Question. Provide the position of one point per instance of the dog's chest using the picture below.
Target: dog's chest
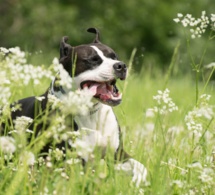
(102, 127)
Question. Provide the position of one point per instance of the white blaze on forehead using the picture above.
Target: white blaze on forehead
(102, 73)
(105, 59)
(100, 53)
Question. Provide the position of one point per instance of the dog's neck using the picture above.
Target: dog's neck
(95, 108)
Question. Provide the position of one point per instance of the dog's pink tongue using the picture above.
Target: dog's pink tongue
(93, 88)
(103, 91)
(99, 89)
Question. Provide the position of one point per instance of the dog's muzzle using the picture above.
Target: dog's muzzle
(106, 91)
(120, 70)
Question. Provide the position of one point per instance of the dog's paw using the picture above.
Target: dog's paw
(138, 170)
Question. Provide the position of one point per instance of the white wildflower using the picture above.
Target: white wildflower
(21, 123)
(15, 70)
(28, 158)
(58, 154)
(54, 101)
(203, 112)
(177, 20)
(40, 98)
(45, 191)
(164, 102)
(4, 95)
(178, 183)
(64, 175)
(81, 173)
(150, 113)
(195, 165)
(65, 80)
(180, 15)
(49, 164)
(41, 161)
(73, 161)
(213, 22)
(78, 102)
(211, 65)
(7, 144)
(57, 129)
(3, 50)
(16, 56)
(149, 127)
(213, 17)
(84, 149)
(207, 176)
(197, 25)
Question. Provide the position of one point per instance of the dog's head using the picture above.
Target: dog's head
(94, 66)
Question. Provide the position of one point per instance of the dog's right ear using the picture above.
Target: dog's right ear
(66, 54)
(95, 31)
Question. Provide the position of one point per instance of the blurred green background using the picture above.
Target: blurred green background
(37, 27)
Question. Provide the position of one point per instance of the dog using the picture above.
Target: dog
(97, 69)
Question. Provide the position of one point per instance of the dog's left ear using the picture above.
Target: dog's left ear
(66, 54)
(64, 47)
(95, 31)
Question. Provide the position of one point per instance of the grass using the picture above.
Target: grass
(178, 161)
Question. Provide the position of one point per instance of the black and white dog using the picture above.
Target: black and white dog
(97, 69)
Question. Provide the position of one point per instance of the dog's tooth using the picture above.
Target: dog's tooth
(85, 85)
(117, 97)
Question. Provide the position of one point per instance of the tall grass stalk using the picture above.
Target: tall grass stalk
(172, 63)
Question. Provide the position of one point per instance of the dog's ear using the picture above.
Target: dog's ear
(95, 31)
(64, 47)
(66, 54)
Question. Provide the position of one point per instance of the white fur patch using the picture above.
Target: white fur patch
(137, 169)
(99, 129)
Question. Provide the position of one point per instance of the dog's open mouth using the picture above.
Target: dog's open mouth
(106, 92)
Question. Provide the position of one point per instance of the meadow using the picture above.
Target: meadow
(167, 123)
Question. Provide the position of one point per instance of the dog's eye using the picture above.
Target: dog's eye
(95, 58)
(112, 56)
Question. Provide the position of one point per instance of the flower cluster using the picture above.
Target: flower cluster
(13, 55)
(213, 22)
(78, 102)
(54, 101)
(27, 157)
(164, 102)
(4, 95)
(15, 73)
(64, 79)
(197, 26)
(21, 123)
(57, 128)
(203, 112)
(56, 154)
(16, 70)
(7, 144)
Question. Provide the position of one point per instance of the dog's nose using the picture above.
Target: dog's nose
(120, 70)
